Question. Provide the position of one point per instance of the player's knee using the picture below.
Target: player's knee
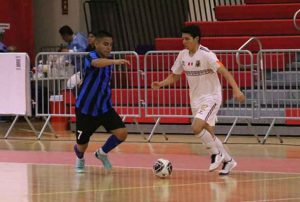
(122, 134)
(82, 137)
(197, 129)
(198, 125)
(82, 140)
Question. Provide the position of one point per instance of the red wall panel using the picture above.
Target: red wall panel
(19, 15)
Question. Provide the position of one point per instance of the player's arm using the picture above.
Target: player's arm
(237, 93)
(172, 78)
(103, 62)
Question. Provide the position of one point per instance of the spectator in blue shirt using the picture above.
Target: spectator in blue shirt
(76, 41)
(3, 47)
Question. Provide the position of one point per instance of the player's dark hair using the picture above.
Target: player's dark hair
(193, 30)
(102, 33)
(66, 30)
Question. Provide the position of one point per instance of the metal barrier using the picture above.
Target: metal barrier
(295, 20)
(173, 101)
(242, 67)
(281, 98)
(166, 102)
(273, 96)
(259, 64)
(58, 76)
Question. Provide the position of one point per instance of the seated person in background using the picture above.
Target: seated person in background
(75, 79)
(91, 42)
(76, 42)
(3, 47)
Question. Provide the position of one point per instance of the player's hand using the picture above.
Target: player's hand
(121, 62)
(155, 85)
(239, 96)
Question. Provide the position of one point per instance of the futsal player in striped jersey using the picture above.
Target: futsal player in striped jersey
(94, 104)
(201, 66)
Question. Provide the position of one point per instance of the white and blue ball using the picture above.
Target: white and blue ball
(162, 168)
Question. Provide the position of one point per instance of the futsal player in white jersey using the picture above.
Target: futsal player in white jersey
(201, 66)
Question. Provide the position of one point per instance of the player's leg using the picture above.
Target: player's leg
(203, 126)
(208, 112)
(85, 127)
(228, 163)
(208, 139)
(113, 123)
(219, 144)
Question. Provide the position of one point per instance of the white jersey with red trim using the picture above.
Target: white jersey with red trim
(201, 72)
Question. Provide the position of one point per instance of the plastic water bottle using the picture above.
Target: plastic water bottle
(40, 69)
(75, 49)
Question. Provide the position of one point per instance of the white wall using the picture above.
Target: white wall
(48, 18)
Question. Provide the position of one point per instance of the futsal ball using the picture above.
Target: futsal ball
(162, 168)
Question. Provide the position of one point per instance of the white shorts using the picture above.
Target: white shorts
(207, 111)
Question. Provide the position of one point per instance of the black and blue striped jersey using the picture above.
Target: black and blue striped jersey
(94, 96)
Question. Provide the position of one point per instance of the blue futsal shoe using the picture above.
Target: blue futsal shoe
(104, 160)
(79, 166)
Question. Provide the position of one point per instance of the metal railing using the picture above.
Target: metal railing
(254, 73)
(295, 20)
(278, 101)
(282, 97)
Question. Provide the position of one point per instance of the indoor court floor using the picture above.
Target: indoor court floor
(33, 170)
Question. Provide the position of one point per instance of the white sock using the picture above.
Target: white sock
(102, 152)
(209, 142)
(221, 147)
